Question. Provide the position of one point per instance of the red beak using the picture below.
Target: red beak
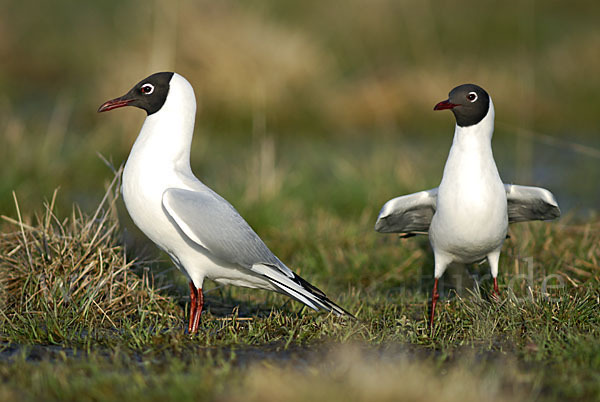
(443, 105)
(114, 104)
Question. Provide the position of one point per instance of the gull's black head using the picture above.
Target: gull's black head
(469, 103)
(149, 94)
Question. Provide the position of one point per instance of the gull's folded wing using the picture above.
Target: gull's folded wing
(214, 224)
(530, 204)
(409, 214)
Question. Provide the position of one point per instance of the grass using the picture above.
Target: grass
(311, 117)
(62, 277)
(83, 320)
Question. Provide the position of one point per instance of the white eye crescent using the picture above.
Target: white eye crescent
(472, 97)
(147, 89)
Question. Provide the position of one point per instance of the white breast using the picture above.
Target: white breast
(471, 217)
(159, 159)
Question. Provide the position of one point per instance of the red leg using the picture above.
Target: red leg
(193, 305)
(434, 298)
(198, 311)
(496, 293)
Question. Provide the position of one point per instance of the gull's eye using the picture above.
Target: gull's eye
(472, 97)
(147, 89)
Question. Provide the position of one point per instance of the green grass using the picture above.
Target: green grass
(83, 320)
(311, 116)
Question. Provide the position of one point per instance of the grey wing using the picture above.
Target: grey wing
(214, 224)
(530, 204)
(409, 214)
(211, 222)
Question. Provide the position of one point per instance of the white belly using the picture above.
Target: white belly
(143, 201)
(469, 224)
(142, 194)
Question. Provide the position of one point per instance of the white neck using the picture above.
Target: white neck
(166, 136)
(471, 159)
(478, 135)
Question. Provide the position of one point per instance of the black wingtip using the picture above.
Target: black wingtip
(322, 297)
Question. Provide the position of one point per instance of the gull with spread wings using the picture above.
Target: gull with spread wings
(467, 216)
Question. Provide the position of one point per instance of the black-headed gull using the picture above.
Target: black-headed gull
(202, 233)
(467, 216)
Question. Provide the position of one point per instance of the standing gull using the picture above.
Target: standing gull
(202, 233)
(467, 216)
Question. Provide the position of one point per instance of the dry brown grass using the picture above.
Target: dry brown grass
(73, 269)
(349, 374)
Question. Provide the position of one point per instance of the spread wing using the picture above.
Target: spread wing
(409, 214)
(214, 224)
(530, 204)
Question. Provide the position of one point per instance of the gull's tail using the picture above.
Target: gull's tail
(301, 290)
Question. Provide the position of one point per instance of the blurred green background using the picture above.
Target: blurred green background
(305, 105)
(311, 115)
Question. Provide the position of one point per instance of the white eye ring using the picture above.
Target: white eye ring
(147, 89)
(469, 97)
